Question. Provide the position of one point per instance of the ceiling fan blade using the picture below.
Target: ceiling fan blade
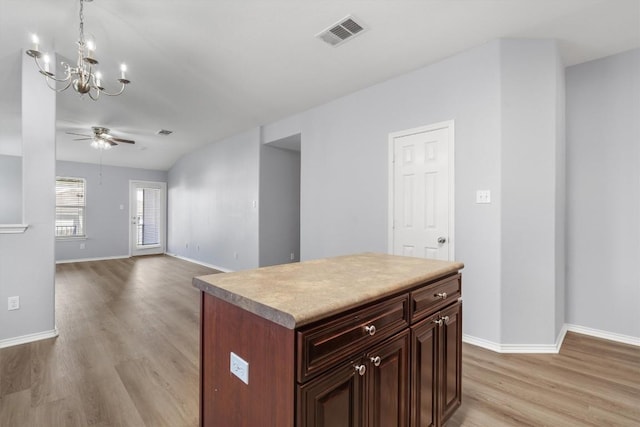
(128, 141)
(82, 139)
(111, 142)
(79, 134)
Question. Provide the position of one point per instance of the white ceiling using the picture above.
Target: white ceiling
(208, 69)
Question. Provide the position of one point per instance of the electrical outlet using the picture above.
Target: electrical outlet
(239, 367)
(13, 303)
(293, 256)
(81, 245)
(483, 196)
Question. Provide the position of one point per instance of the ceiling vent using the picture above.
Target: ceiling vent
(344, 30)
(164, 132)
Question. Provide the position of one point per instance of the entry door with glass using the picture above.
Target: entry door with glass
(148, 213)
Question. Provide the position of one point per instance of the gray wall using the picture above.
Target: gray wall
(279, 205)
(27, 266)
(530, 93)
(344, 199)
(213, 203)
(603, 232)
(107, 226)
(10, 189)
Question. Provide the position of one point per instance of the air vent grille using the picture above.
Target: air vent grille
(342, 31)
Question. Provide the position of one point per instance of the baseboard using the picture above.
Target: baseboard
(24, 339)
(67, 261)
(550, 348)
(518, 348)
(204, 264)
(612, 336)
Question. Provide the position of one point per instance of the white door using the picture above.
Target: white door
(148, 217)
(421, 192)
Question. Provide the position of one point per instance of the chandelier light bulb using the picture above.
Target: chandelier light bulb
(98, 78)
(91, 46)
(36, 41)
(123, 69)
(46, 62)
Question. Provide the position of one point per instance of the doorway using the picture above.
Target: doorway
(148, 217)
(421, 192)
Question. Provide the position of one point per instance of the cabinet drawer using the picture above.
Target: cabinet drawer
(426, 300)
(321, 346)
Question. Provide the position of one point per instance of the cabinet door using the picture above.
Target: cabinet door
(387, 383)
(332, 400)
(451, 360)
(424, 374)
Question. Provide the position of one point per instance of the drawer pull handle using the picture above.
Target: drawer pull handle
(438, 322)
(445, 319)
(376, 360)
(442, 295)
(370, 329)
(360, 369)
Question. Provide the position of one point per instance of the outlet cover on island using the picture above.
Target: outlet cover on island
(239, 367)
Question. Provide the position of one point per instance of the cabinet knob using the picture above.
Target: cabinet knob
(370, 329)
(360, 369)
(442, 240)
(438, 322)
(442, 295)
(445, 319)
(376, 360)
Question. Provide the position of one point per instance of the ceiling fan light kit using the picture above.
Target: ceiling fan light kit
(82, 77)
(101, 138)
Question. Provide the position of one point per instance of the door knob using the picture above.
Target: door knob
(442, 240)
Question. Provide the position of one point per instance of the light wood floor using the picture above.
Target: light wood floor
(127, 355)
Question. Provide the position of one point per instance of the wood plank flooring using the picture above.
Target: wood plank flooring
(127, 355)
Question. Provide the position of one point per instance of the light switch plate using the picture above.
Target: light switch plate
(13, 303)
(483, 196)
(239, 367)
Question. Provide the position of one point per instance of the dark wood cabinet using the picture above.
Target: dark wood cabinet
(394, 361)
(437, 367)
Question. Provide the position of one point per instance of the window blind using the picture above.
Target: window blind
(70, 207)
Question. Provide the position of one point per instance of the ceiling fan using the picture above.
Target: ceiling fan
(101, 138)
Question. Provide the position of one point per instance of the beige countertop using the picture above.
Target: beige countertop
(297, 294)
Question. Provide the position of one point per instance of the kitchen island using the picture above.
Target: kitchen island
(357, 340)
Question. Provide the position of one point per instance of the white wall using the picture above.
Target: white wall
(603, 194)
(279, 205)
(107, 226)
(27, 266)
(10, 189)
(213, 203)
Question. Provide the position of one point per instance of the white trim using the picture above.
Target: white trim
(518, 348)
(204, 264)
(450, 124)
(24, 339)
(13, 228)
(163, 218)
(67, 261)
(550, 348)
(612, 336)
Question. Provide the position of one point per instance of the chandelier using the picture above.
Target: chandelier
(82, 77)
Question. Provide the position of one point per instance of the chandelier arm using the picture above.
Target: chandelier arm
(114, 94)
(50, 75)
(97, 95)
(54, 88)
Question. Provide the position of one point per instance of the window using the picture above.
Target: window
(70, 207)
